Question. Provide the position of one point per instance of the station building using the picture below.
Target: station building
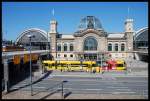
(90, 42)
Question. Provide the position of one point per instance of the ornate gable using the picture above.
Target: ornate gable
(86, 31)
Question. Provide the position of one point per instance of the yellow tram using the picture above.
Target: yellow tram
(88, 66)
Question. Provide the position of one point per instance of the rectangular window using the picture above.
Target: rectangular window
(58, 48)
(116, 47)
(109, 48)
(71, 48)
(65, 48)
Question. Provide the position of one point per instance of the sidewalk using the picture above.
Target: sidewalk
(19, 94)
(53, 95)
(106, 73)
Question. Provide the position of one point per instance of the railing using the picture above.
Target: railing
(22, 52)
(141, 50)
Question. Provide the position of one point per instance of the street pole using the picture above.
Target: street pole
(101, 62)
(30, 68)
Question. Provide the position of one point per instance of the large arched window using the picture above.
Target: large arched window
(59, 47)
(109, 47)
(116, 47)
(65, 47)
(90, 44)
(71, 47)
(122, 47)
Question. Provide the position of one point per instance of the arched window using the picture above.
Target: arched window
(71, 47)
(109, 47)
(59, 47)
(90, 44)
(116, 47)
(65, 47)
(122, 47)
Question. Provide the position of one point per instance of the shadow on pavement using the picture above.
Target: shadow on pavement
(51, 94)
(52, 88)
(67, 94)
(46, 75)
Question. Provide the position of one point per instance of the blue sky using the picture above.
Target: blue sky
(19, 16)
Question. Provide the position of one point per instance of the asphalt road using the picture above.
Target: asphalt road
(94, 85)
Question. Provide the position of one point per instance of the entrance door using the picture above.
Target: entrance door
(90, 56)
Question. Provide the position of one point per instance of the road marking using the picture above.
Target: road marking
(116, 87)
(80, 89)
(122, 92)
(39, 87)
(124, 89)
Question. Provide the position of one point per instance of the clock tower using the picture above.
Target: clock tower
(129, 35)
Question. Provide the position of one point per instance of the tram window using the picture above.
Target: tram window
(53, 64)
(94, 65)
(119, 65)
(46, 64)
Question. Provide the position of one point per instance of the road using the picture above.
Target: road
(93, 85)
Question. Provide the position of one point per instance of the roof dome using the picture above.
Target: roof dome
(90, 22)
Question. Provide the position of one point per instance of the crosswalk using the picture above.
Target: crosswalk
(132, 86)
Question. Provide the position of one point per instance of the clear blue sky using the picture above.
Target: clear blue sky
(19, 16)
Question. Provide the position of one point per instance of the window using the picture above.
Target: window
(59, 47)
(71, 55)
(65, 55)
(65, 47)
(122, 47)
(109, 47)
(116, 47)
(71, 47)
(90, 44)
(58, 55)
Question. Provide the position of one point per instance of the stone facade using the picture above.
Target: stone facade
(121, 44)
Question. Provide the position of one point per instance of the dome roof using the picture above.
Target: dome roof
(90, 22)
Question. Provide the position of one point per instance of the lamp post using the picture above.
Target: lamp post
(30, 36)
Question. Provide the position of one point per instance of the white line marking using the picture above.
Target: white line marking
(122, 92)
(80, 89)
(124, 89)
(39, 87)
(116, 87)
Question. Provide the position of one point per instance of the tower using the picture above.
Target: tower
(129, 36)
(53, 37)
(129, 25)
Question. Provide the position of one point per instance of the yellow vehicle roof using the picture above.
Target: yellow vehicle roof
(120, 61)
(48, 61)
(89, 62)
(70, 62)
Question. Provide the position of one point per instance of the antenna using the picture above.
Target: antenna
(53, 12)
(128, 12)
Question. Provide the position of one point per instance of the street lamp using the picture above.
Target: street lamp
(30, 36)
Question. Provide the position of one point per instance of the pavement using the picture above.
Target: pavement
(47, 95)
(124, 85)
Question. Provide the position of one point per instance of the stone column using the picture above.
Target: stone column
(41, 68)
